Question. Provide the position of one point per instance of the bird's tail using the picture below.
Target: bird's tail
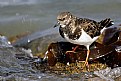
(106, 23)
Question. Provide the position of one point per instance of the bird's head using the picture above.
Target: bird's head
(63, 19)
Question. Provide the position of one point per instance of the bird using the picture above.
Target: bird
(81, 31)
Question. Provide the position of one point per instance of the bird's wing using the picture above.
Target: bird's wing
(90, 26)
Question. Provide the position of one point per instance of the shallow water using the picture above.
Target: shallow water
(18, 16)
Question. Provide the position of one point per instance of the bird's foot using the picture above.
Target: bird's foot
(67, 52)
(86, 65)
(73, 50)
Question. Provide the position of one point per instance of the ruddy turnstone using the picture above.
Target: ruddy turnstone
(81, 31)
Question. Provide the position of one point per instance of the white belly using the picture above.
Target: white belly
(84, 39)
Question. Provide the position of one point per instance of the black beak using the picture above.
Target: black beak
(57, 24)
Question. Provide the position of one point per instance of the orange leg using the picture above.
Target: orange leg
(75, 48)
(86, 61)
(72, 50)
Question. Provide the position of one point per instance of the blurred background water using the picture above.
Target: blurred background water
(18, 16)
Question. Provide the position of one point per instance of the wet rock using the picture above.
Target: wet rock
(104, 52)
(109, 36)
(4, 42)
(13, 39)
(109, 74)
(53, 60)
(40, 45)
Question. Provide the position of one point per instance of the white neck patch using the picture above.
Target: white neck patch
(63, 26)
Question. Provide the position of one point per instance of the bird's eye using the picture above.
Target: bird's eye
(61, 19)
